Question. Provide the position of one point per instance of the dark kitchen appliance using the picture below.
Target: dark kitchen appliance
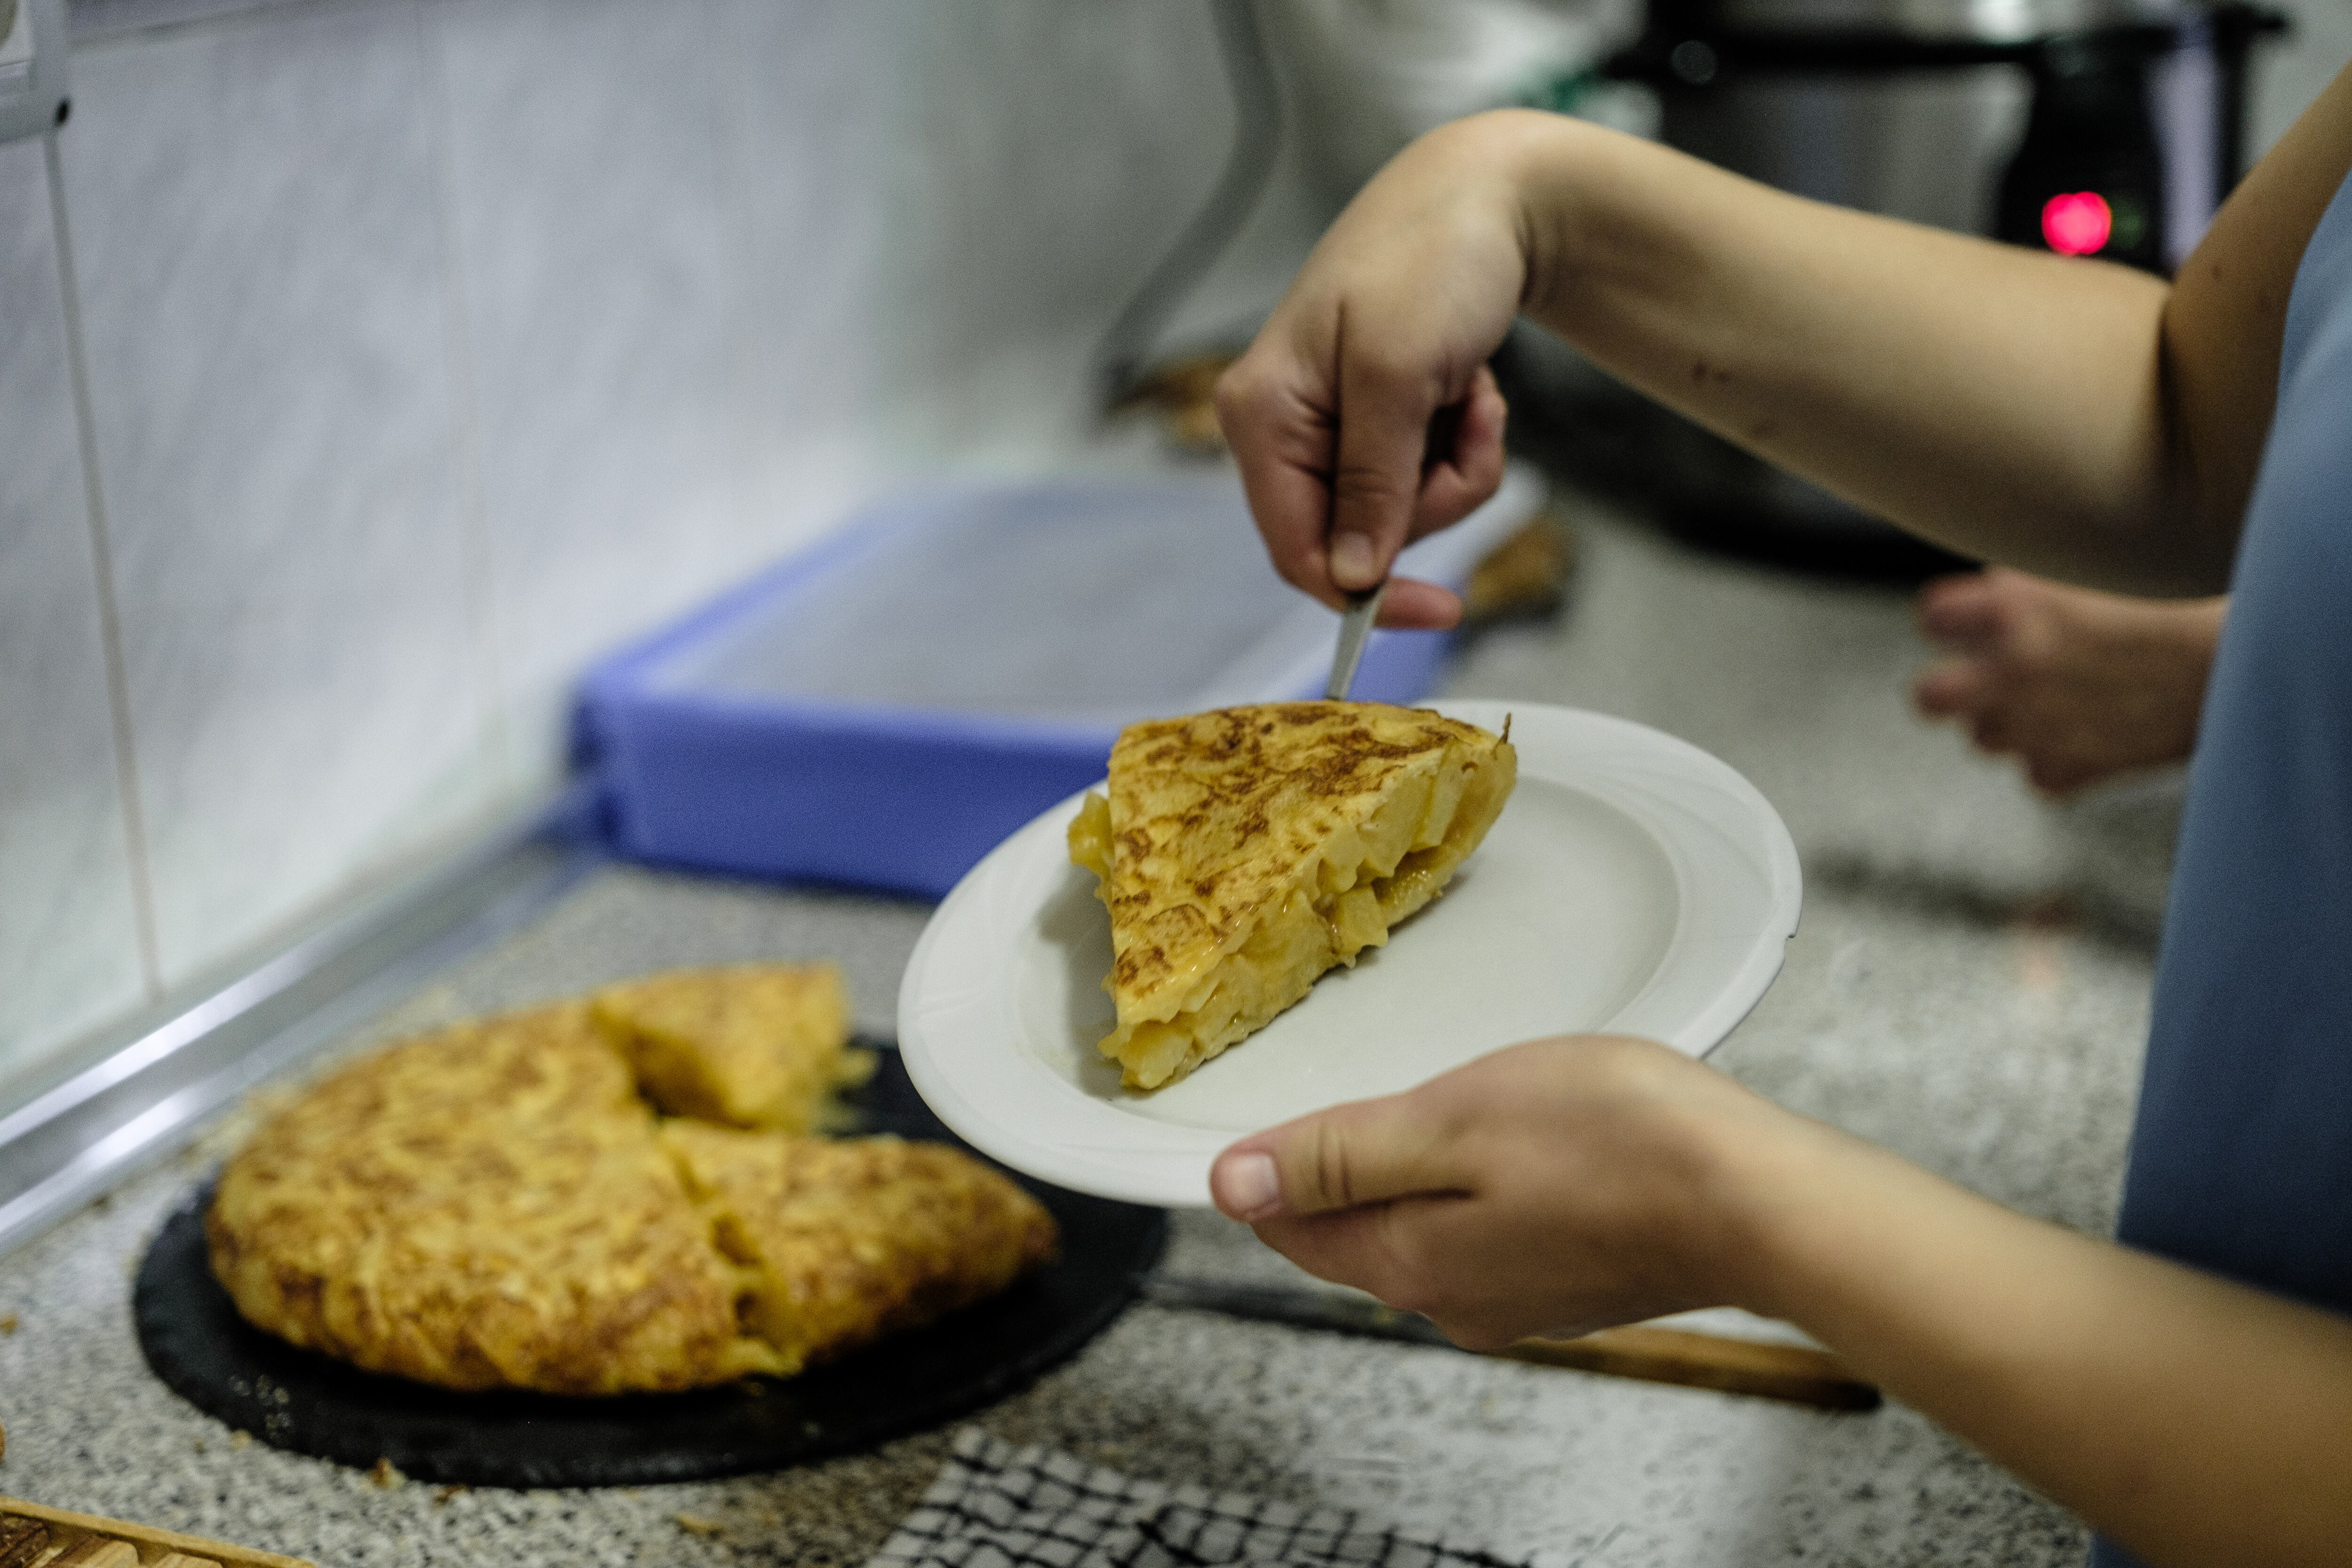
(2107, 127)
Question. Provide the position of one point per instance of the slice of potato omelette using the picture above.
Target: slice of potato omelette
(1243, 852)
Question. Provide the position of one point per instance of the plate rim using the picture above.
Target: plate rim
(1177, 1178)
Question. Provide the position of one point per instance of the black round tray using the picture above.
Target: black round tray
(307, 1402)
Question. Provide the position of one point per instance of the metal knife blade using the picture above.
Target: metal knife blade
(1355, 626)
(1643, 1352)
(1297, 1306)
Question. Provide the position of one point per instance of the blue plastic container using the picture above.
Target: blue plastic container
(882, 709)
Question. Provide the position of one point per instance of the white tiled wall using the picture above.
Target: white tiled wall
(590, 254)
(69, 941)
(434, 346)
(263, 299)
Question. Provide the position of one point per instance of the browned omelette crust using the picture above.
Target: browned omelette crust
(1228, 836)
(756, 1045)
(493, 1205)
(487, 1206)
(855, 1238)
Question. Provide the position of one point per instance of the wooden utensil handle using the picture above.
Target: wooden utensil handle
(21, 1540)
(166, 1546)
(1709, 1361)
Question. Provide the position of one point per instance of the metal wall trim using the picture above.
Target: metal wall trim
(148, 1099)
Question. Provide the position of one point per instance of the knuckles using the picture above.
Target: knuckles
(1241, 390)
(1392, 378)
(1362, 484)
(1332, 1175)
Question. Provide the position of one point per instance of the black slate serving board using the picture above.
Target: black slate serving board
(298, 1400)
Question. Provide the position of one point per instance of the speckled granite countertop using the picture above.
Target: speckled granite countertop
(1968, 987)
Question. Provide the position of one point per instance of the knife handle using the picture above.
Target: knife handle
(1792, 1373)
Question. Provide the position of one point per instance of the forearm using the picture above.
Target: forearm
(2005, 403)
(2193, 1420)
(2076, 418)
(1569, 1184)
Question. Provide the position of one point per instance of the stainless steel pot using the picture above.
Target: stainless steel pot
(1928, 146)
(1919, 108)
(1981, 21)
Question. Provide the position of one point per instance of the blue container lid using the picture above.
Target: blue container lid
(975, 650)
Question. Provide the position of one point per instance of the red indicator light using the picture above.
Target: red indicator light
(2077, 222)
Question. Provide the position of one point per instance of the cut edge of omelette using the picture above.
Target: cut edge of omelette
(1244, 852)
(753, 1044)
(846, 1241)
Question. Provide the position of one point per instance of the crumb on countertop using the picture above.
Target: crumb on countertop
(696, 1524)
(386, 1475)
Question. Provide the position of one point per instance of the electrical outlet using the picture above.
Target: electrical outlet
(32, 66)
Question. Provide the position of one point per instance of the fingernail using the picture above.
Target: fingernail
(1247, 1186)
(1351, 561)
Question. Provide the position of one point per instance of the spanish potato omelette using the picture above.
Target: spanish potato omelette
(496, 1205)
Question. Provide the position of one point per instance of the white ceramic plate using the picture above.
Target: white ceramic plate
(1633, 885)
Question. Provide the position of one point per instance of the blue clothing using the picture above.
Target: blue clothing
(2241, 1160)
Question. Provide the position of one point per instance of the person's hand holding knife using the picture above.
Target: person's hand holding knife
(1364, 416)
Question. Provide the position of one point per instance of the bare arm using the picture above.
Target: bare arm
(1565, 1185)
(2073, 417)
(2001, 401)
(2194, 1420)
